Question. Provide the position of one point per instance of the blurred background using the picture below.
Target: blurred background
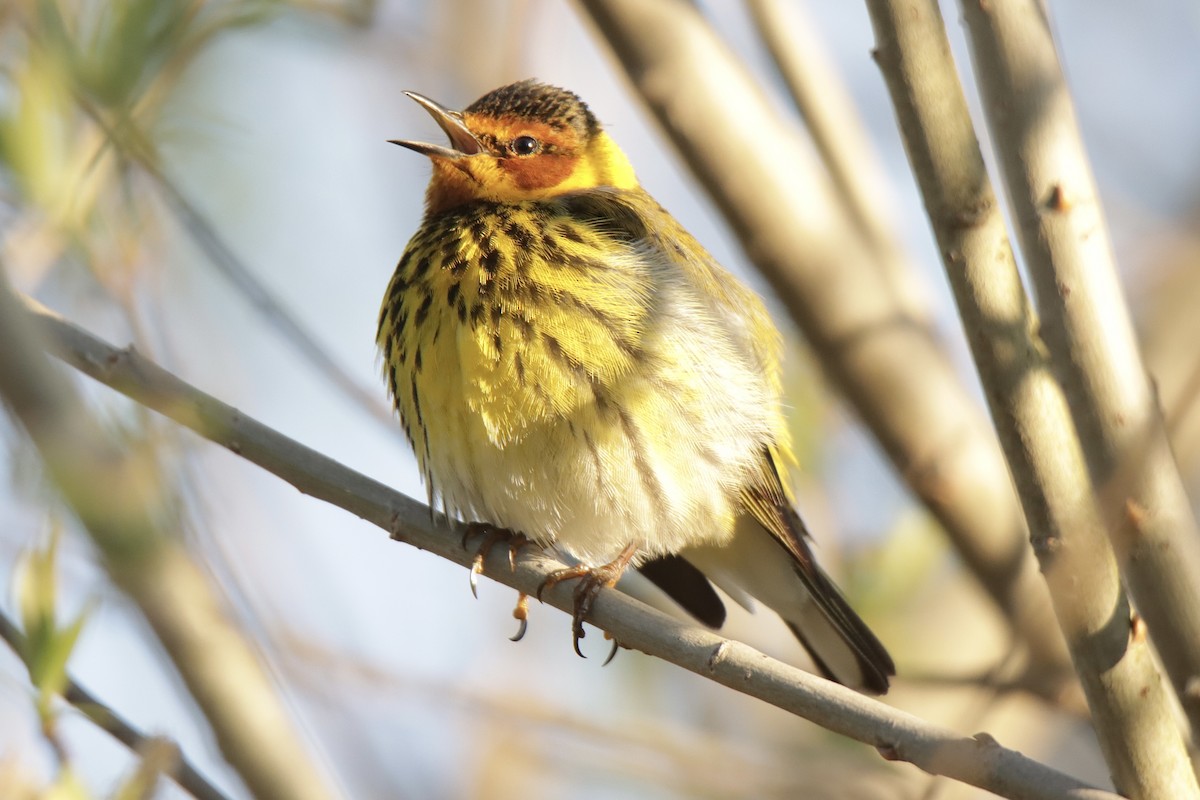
(254, 185)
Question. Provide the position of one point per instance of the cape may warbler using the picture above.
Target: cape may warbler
(570, 365)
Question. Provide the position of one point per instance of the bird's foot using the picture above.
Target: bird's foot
(591, 581)
(492, 536)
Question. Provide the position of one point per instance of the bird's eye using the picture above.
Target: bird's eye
(525, 145)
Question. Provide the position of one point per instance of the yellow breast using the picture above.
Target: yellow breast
(509, 315)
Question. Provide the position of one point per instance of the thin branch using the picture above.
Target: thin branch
(262, 299)
(128, 141)
(829, 115)
(1129, 705)
(114, 488)
(104, 717)
(1086, 326)
(979, 761)
(879, 351)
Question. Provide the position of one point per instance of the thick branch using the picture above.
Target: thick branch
(876, 347)
(1129, 706)
(979, 761)
(1086, 326)
(114, 488)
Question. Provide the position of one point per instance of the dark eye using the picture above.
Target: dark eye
(525, 145)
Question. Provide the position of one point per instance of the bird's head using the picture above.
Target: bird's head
(524, 141)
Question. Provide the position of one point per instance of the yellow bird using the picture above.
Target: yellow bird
(571, 366)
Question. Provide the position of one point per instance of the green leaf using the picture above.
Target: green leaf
(37, 590)
(50, 674)
(34, 135)
(48, 646)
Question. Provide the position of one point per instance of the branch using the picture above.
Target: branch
(979, 761)
(875, 346)
(114, 488)
(104, 717)
(828, 111)
(128, 141)
(1087, 328)
(1132, 715)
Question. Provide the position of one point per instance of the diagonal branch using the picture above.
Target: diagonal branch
(1133, 718)
(128, 141)
(1087, 329)
(113, 486)
(979, 761)
(876, 347)
(103, 716)
(837, 131)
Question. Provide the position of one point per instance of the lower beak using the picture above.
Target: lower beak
(462, 141)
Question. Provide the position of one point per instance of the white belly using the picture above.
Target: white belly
(654, 460)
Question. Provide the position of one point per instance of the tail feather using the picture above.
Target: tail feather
(688, 587)
(841, 645)
(835, 632)
(769, 558)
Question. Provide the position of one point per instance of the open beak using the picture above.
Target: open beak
(462, 141)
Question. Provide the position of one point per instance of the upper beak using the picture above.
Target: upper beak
(462, 141)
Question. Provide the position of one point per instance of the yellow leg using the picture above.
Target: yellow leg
(492, 536)
(592, 580)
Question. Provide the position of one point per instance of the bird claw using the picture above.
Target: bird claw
(585, 597)
(476, 571)
(521, 614)
(518, 541)
(613, 652)
(492, 536)
(591, 581)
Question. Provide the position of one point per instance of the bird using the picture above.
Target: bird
(573, 369)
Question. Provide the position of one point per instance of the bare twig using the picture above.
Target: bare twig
(1130, 708)
(186, 775)
(979, 761)
(1086, 326)
(127, 140)
(264, 301)
(115, 490)
(836, 129)
(884, 359)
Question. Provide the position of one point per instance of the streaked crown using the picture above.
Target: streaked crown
(529, 100)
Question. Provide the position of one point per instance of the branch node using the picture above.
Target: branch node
(1137, 629)
(395, 527)
(889, 752)
(985, 740)
(1058, 199)
(718, 655)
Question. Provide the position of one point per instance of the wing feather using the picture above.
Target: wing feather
(768, 504)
